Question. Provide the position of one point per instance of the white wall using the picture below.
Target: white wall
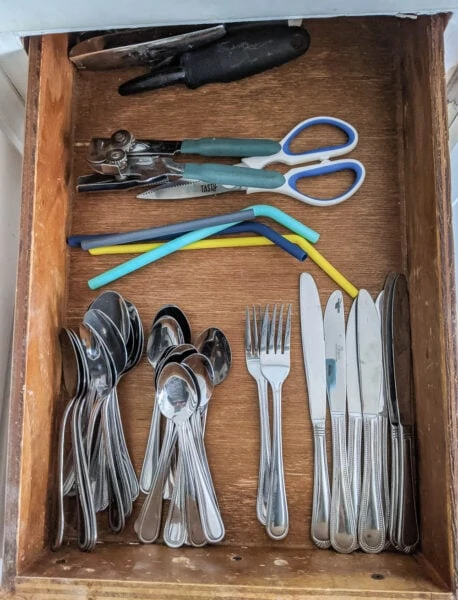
(30, 16)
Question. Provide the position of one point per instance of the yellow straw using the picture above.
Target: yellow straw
(240, 242)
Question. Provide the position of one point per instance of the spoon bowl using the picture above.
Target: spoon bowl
(176, 393)
(214, 344)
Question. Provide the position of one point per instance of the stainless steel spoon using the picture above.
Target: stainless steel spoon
(165, 332)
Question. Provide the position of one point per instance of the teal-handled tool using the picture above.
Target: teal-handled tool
(232, 147)
(122, 161)
(259, 210)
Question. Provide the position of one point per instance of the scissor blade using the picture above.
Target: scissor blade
(183, 189)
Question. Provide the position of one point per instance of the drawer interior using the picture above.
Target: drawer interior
(384, 76)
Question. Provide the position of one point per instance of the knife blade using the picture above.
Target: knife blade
(343, 521)
(383, 424)
(313, 348)
(407, 518)
(138, 47)
(183, 189)
(355, 419)
(371, 524)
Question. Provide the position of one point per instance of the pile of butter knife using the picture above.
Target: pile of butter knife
(364, 369)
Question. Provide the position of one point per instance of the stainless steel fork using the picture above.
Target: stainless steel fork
(253, 363)
(275, 363)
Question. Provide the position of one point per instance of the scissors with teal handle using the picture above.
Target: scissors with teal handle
(208, 179)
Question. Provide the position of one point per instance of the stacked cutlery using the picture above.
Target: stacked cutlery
(365, 370)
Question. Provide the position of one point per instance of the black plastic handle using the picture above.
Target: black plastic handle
(243, 53)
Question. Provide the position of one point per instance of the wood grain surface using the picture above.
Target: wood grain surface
(431, 282)
(360, 70)
(361, 237)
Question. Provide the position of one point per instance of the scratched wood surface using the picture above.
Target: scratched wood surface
(359, 70)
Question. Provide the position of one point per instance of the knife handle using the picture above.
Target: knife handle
(321, 489)
(355, 435)
(371, 525)
(408, 531)
(343, 522)
(385, 477)
(394, 508)
(242, 54)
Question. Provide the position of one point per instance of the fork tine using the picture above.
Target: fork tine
(278, 345)
(248, 347)
(272, 330)
(265, 330)
(256, 341)
(287, 343)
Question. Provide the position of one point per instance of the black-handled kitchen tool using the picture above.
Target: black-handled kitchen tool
(237, 55)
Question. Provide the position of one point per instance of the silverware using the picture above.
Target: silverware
(383, 418)
(371, 525)
(194, 513)
(407, 531)
(355, 419)
(165, 332)
(275, 365)
(343, 521)
(392, 404)
(253, 363)
(315, 370)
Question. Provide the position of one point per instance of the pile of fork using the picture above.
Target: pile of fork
(267, 352)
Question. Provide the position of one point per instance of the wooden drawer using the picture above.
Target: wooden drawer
(385, 76)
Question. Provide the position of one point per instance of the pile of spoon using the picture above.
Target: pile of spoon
(98, 469)
(176, 468)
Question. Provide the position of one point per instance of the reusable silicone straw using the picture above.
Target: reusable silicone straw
(258, 210)
(207, 244)
(172, 229)
(244, 227)
(194, 236)
(244, 242)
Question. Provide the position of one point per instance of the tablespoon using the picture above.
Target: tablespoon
(114, 345)
(103, 375)
(75, 377)
(213, 344)
(202, 370)
(171, 310)
(114, 306)
(135, 346)
(165, 332)
(175, 354)
(178, 399)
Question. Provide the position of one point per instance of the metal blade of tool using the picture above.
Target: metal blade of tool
(182, 189)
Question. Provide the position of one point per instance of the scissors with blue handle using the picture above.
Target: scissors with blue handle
(249, 175)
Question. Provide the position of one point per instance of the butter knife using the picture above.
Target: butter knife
(407, 518)
(371, 524)
(392, 404)
(315, 372)
(343, 522)
(355, 419)
(383, 418)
